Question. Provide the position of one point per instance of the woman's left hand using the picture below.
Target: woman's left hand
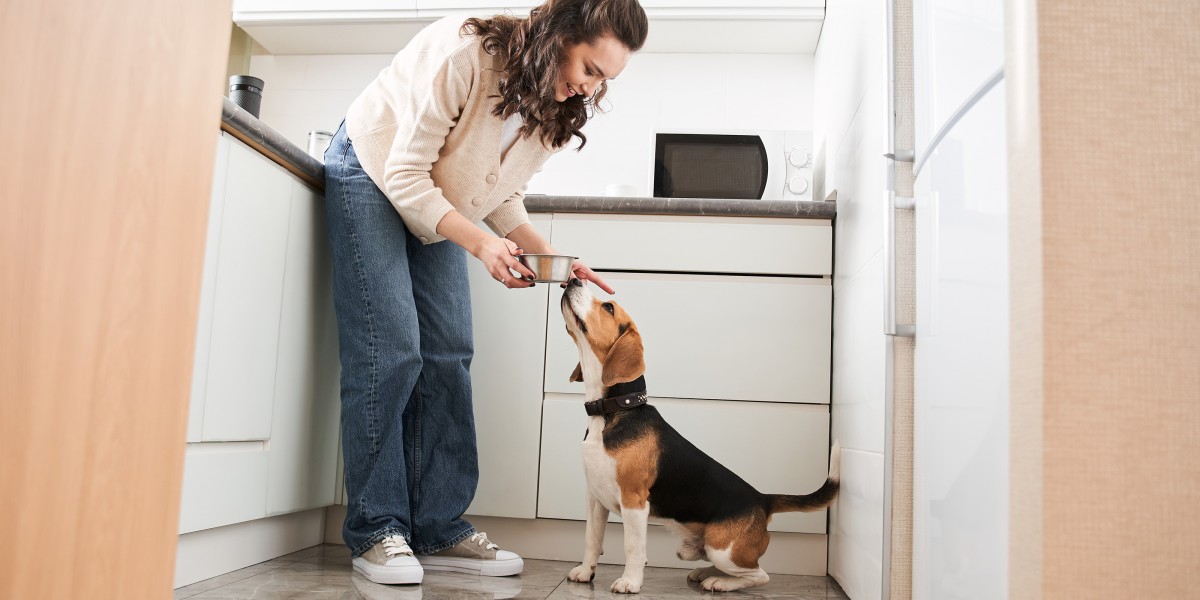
(585, 273)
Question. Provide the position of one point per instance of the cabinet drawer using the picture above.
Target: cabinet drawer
(790, 442)
(223, 484)
(725, 338)
(698, 244)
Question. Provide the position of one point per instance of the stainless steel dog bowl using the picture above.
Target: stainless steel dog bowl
(548, 268)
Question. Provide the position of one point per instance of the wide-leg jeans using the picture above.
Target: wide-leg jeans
(404, 329)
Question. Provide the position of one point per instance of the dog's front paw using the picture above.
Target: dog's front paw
(582, 574)
(625, 586)
(724, 583)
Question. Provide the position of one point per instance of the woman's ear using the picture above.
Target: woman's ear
(624, 361)
(577, 374)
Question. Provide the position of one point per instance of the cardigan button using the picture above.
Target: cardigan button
(492, 179)
(477, 201)
(424, 239)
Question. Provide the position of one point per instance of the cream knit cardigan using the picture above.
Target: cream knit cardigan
(424, 132)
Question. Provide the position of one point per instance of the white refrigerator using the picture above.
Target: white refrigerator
(960, 428)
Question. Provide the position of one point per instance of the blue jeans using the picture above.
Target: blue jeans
(404, 326)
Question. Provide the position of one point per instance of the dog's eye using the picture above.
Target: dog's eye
(607, 306)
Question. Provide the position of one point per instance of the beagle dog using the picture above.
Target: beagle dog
(641, 468)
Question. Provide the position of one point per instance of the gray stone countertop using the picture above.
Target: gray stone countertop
(249, 129)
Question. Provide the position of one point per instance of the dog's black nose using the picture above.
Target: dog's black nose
(575, 281)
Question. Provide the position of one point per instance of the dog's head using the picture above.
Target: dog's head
(610, 347)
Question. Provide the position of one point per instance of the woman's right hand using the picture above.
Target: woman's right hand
(498, 255)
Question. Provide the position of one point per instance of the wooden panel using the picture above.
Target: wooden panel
(305, 421)
(790, 450)
(506, 380)
(223, 484)
(728, 338)
(110, 115)
(698, 244)
(248, 295)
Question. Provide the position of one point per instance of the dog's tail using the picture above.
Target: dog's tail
(818, 499)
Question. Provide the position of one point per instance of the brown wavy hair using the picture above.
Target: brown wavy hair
(533, 50)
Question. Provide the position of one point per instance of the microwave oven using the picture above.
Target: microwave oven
(732, 164)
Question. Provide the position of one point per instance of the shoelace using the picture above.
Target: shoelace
(481, 539)
(395, 544)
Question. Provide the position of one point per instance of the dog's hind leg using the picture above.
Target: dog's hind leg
(636, 520)
(703, 573)
(734, 548)
(594, 542)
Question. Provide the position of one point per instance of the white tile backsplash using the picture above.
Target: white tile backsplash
(860, 360)
(850, 133)
(656, 91)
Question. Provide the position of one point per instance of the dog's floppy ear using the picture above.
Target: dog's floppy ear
(577, 374)
(624, 361)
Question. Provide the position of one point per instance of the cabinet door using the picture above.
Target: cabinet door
(478, 6)
(725, 338)
(777, 448)
(304, 428)
(240, 381)
(698, 244)
(506, 381)
(320, 5)
(223, 484)
(207, 291)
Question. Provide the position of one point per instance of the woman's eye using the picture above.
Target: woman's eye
(588, 72)
(607, 306)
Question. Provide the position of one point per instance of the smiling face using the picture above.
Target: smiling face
(610, 346)
(588, 66)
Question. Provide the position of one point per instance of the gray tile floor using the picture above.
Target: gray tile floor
(323, 572)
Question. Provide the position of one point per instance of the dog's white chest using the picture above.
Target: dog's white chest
(600, 468)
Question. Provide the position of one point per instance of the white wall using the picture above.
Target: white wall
(851, 136)
(723, 91)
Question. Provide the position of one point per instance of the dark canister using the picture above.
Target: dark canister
(246, 92)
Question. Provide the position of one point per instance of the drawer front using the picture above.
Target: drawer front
(698, 244)
(223, 484)
(725, 338)
(790, 450)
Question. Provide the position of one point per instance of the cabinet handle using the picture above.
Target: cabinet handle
(892, 203)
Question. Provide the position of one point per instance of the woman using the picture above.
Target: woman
(448, 134)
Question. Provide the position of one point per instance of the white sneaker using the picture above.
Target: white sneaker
(389, 561)
(475, 555)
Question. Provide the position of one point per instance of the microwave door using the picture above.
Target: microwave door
(710, 166)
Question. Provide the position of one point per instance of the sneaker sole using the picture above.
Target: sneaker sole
(388, 575)
(473, 566)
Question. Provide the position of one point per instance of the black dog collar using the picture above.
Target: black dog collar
(622, 396)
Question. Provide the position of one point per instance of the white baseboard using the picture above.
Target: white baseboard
(211, 552)
(556, 539)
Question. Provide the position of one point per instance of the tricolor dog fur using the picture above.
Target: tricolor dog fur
(641, 468)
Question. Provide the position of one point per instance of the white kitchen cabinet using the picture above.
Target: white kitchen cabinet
(777, 448)
(376, 27)
(742, 245)
(223, 484)
(304, 432)
(506, 381)
(482, 6)
(264, 409)
(247, 298)
(317, 6)
(718, 337)
(208, 287)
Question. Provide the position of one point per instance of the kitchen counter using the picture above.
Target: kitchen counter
(256, 134)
